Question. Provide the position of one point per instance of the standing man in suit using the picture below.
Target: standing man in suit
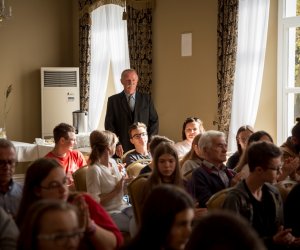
(127, 107)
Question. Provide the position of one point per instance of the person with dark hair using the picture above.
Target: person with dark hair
(190, 128)
(166, 221)
(256, 199)
(45, 179)
(291, 150)
(139, 138)
(193, 158)
(166, 169)
(105, 182)
(242, 168)
(242, 137)
(128, 107)
(51, 224)
(153, 144)
(10, 191)
(65, 139)
(223, 230)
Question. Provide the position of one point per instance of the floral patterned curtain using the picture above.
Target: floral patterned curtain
(227, 45)
(85, 9)
(139, 23)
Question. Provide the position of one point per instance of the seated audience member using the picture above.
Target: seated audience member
(10, 191)
(166, 221)
(224, 230)
(191, 127)
(256, 199)
(291, 150)
(9, 232)
(291, 212)
(105, 182)
(242, 137)
(242, 168)
(139, 138)
(166, 169)
(212, 175)
(49, 225)
(193, 158)
(154, 142)
(65, 139)
(45, 179)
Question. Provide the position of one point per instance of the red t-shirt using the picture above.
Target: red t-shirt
(70, 162)
(102, 218)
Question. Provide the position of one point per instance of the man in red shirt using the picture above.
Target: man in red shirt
(65, 139)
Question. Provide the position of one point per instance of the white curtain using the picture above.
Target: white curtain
(109, 44)
(252, 38)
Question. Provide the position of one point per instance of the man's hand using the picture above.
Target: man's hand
(119, 151)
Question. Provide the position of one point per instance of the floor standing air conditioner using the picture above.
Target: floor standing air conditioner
(59, 97)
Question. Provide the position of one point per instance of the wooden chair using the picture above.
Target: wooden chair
(133, 169)
(216, 201)
(188, 175)
(125, 154)
(285, 187)
(79, 177)
(136, 193)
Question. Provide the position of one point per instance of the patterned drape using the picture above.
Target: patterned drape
(227, 45)
(139, 23)
(85, 9)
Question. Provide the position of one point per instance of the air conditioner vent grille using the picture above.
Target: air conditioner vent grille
(60, 79)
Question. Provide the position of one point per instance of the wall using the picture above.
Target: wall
(184, 86)
(45, 33)
(39, 34)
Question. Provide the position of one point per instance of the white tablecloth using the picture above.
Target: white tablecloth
(27, 152)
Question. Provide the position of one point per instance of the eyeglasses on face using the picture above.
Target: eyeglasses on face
(4, 163)
(62, 239)
(278, 169)
(138, 136)
(56, 185)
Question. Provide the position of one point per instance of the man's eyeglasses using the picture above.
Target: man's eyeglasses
(56, 185)
(138, 136)
(278, 169)
(62, 239)
(4, 163)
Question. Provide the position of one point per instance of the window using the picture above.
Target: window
(288, 90)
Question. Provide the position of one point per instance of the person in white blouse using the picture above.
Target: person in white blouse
(192, 126)
(105, 181)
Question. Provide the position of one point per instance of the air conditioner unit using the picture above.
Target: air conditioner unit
(59, 97)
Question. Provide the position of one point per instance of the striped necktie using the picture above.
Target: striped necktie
(131, 102)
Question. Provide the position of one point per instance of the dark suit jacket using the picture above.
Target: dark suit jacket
(119, 116)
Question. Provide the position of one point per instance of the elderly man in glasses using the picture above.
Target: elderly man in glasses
(10, 191)
(256, 199)
(139, 138)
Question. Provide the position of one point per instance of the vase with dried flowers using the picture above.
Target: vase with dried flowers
(5, 111)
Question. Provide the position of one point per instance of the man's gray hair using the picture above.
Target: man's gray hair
(207, 137)
(4, 143)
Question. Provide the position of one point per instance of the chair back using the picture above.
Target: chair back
(188, 175)
(216, 201)
(79, 177)
(125, 154)
(285, 187)
(136, 191)
(134, 168)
